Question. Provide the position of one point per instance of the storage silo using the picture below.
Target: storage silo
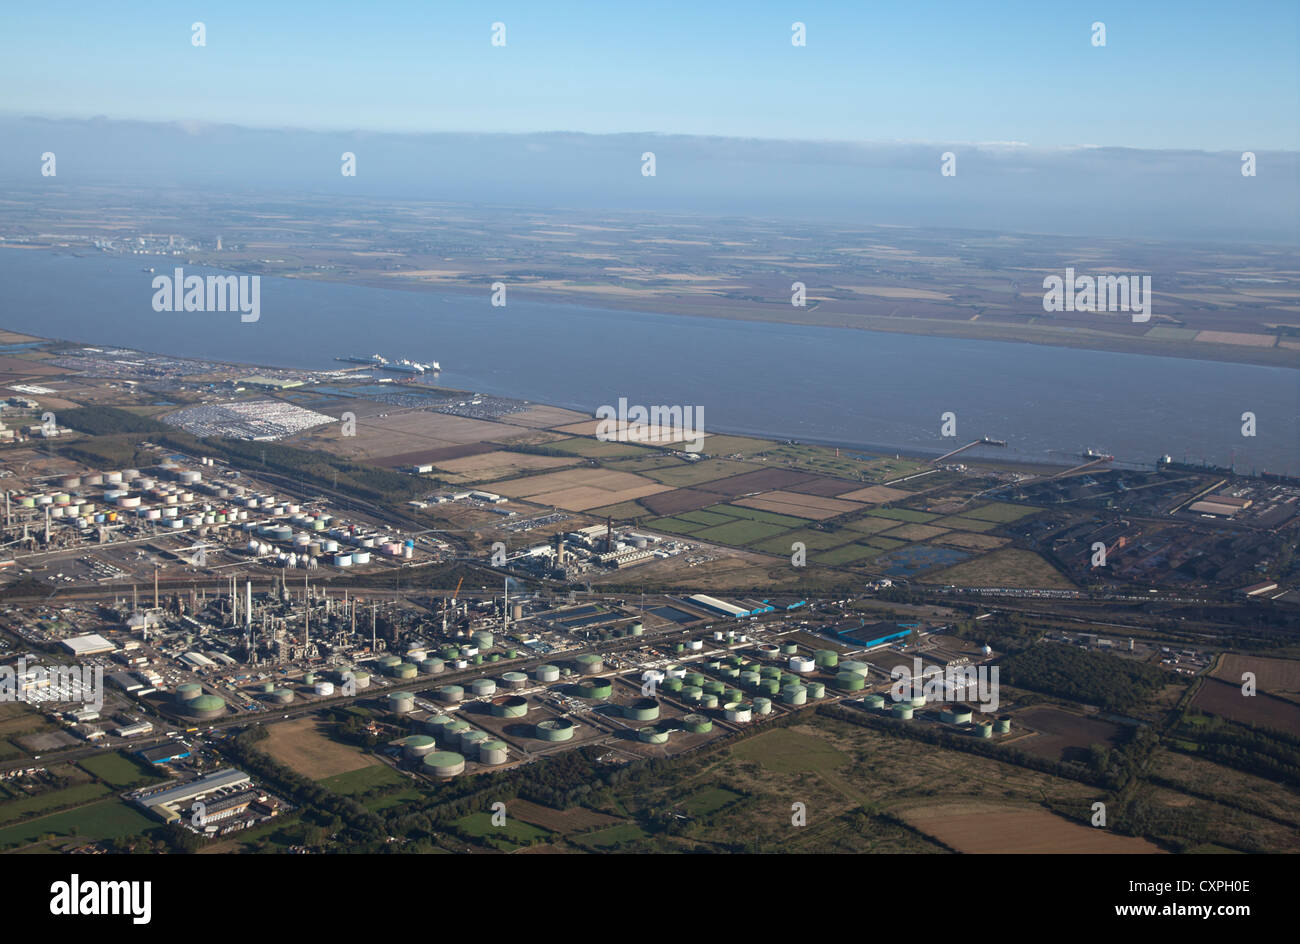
(762, 706)
(404, 670)
(324, 689)
(708, 700)
(1002, 725)
(361, 677)
(984, 729)
(401, 702)
(444, 764)
(451, 693)
(483, 639)
(875, 701)
(514, 680)
(432, 665)
(816, 690)
(955, 714)
(789, 648)
(902, 710)
(483, 687)
(547, 673)
(589, 663)
(282, 696)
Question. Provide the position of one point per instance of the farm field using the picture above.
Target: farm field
(875, 494)
(119, 771)
(566, 822)
(490, 466)
(16, 809)
(1000, 512)
(107, 819)
(378, 437)
(993, 828)
(1063, 735)
(302, 745)
(364, 780)
(589, 448)
(580, 489)
(1277, 677)
(688, 474)
(798, 505)
(1008, 567)
(1225, 699)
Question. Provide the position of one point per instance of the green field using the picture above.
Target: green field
(791, 752)
(107, 819)
(595, 449)
(871, 525)
(754, 514)
(673, 525)
(813, 540)
(1009, 567)
(884, 544)
(999, 512)
(686, 474)
(738, 533)
(119, 771)
(902, 514)
(958, 523)
(706, 518)
(14, 810)
(620, 512)
(364, 780)
(849, 554)
(709, 800)
(611, 837)
(513, 832)
(730, 445)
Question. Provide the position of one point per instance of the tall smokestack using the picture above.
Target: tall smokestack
(248, 603)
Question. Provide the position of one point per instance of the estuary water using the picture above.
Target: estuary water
(854, 388)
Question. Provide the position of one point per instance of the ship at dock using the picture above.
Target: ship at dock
(372, 360)
(414, 367)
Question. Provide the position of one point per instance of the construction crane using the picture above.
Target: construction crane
(455, 595)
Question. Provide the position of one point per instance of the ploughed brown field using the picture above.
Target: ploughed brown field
(1227, 701)
(1278, 677)
(1063, 735)
(976, 827)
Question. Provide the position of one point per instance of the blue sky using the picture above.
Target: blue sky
(1215, 76)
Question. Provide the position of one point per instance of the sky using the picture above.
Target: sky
(1181, 75)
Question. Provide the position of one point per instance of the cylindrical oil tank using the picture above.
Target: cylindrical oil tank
(768, 686)
(282, 696)
(451, 693)
(816, 690)
(875, 701)
(554, 729)
(849, 681)
(852, 665)
(309, 678)
(547, 673)
(738, 711)
(770, 671)
(769, 651)
(589, 663)
(483, 687)
(514, 680)
(984, 729)
(404, 670)
(762, 706)
(750, 678)
(387, 662)
(437, 726)
(652, 735)
(697, 724)
(188, 691)
(453, 732)
(483, 639)
(401, 702)
(595, 688)
(361, 677)
(433, 666)
(955, 714)
(708, 700)
(1002, 725)
(492, 752)
(802, 664)
(418, 745)
(643, 709)
(205, 707)
(826, 658)
(673, 685)
(444, 764)
(510, 706)
(902, 710)
(266, 687)
(794, 695)
(789, 648)
(324, 689)
(470, 740)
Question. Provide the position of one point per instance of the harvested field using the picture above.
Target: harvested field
(799, 505)
(739, 533)
(545, 417)
(978, 827)
(1009, 567)
(1062, 735)
(1001, 512)
(678, 500)
(826, 487)
(1277, 677)
(973, 542)
(870, 525)
(876, 494)
(958, 523)
(488, 466)
(566, 822)
(398, 433)
(764, 480)
(915, 532)
(687, 474)
(434, 456)
(302, 745)
(580, 489)
(1226, 700)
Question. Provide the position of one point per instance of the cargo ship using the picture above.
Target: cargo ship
(374, 360)
(414, 367)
